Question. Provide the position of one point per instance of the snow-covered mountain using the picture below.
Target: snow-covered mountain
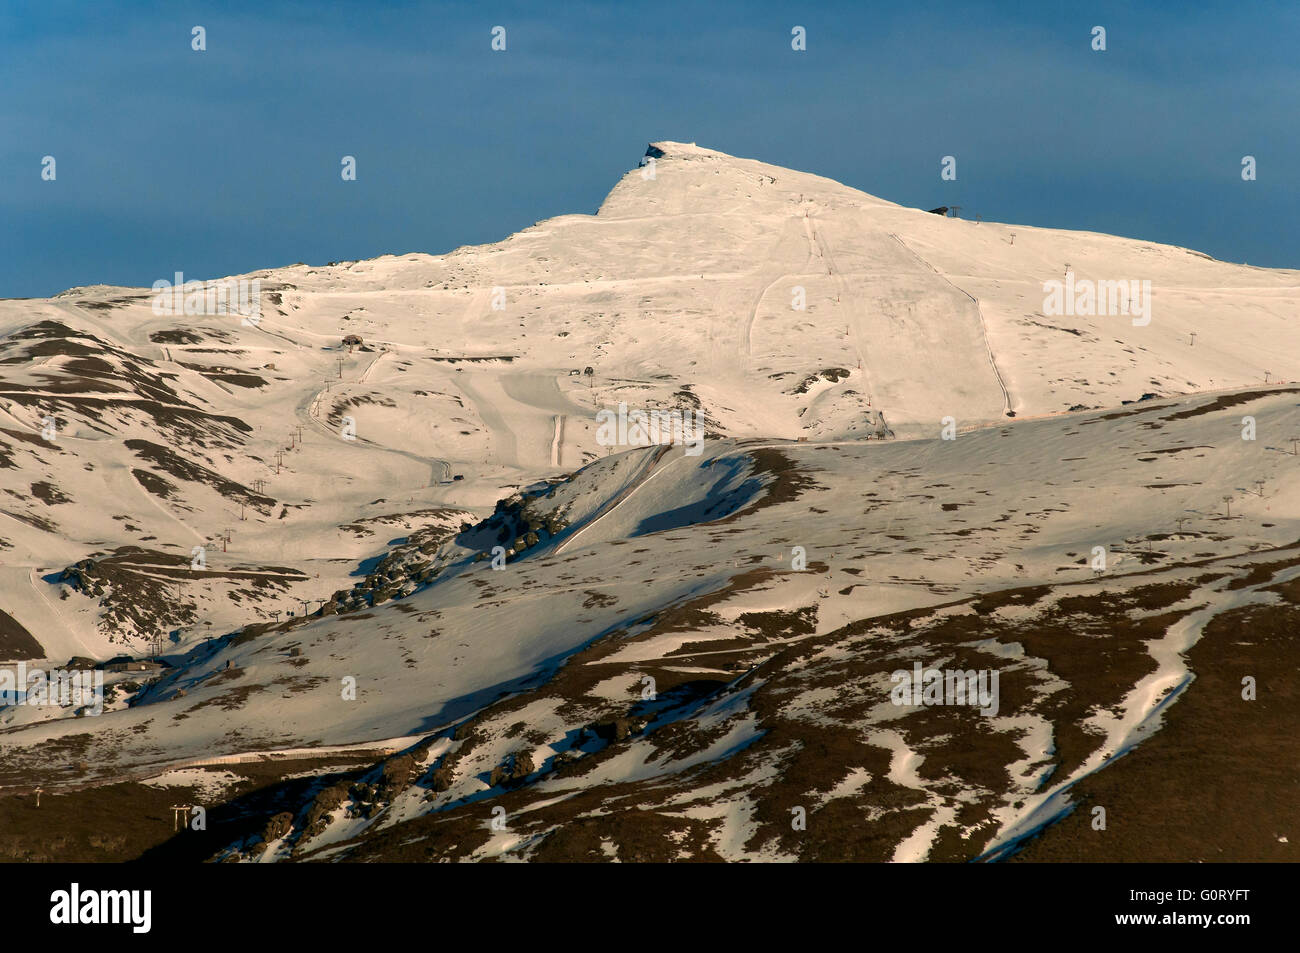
(643, 652)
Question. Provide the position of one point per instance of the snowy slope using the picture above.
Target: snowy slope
(619, 563)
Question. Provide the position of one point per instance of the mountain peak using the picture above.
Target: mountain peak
(665, 147)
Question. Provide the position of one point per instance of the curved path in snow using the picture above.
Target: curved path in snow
(1006, 396)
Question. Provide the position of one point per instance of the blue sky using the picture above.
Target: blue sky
(227, 160)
